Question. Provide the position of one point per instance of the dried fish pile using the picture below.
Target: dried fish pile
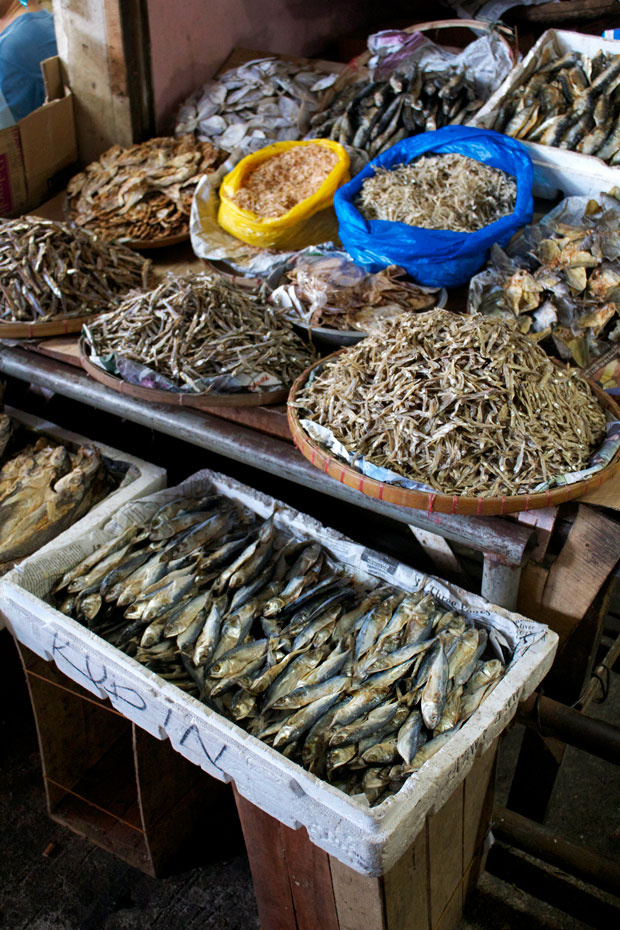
(262, 101)
(359, 686)
(142, 192)
(328, 289)
(373, 115)
(565, 289)
(572, 102)
(463, 404)
(279, 183)
(44, 488)
(201, 332)
(439, 192)
(52, 271)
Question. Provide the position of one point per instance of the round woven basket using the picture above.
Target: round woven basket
(46, 328)
(171, 398)
(435, 501)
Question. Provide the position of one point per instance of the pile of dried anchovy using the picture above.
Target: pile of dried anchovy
(464, 404)
(571, 101)
(262, 101)
(359, 686)
(439, 192)
(375, 114)
(278, 184)
(142, 192)
(53, 270)
(197, 327)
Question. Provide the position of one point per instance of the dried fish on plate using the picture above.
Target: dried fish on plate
(359, 685)
(199, 333)
(439, 192)
(262, 101)
(45, 488)
(570, 101)
(461, 404)
(142, 192)
(51, 271)
(325, 288)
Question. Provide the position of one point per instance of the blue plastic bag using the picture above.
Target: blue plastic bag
(435, 257)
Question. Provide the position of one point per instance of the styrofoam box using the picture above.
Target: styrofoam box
(556, 171)
(368, 840)
(140, 478)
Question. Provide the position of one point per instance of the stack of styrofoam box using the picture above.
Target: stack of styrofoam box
(369, 840)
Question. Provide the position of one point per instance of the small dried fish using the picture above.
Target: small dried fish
(201, 332)
(52, 271)
(439, 192)
(279, 183)
(142, 192)
(463, 404)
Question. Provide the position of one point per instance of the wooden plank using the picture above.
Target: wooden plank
(445, 855)
(588, 556)
(406, 888)
(531, 587)
(608, 495)
(478, 803)
(543, 521)
(440, 553)
(359, 898)
(265, 849)
(310, 880)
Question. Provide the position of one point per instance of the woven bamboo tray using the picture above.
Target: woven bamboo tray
(435, 501)
(162, 243)
(170, 398)
(358, 66)
(47, 328)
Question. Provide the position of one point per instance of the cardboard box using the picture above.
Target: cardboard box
(35, 151)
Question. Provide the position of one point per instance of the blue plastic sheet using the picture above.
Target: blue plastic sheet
(435, 257)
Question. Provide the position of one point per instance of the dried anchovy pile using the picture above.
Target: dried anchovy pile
(199, 326)
(278, 184)
(439, 192)
(142, 192)
(464, 404)
(572, 101)
(53, 270)
(359, 686)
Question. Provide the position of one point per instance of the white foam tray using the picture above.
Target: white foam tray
(556, 171)
(141, 478)
(368, 840)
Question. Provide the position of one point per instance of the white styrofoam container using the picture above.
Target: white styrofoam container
(141, 478)
(556, 171)
(368, 840)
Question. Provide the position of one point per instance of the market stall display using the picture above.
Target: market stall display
(264, 100)
(368, 839)
(199, 340)
(141, 195)
(53, 276)
(560, 279)
(465, 410)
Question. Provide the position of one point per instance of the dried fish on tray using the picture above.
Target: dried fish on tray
(45, 487)
(412, 86)
(571, 101)
(141, 193)
(448, 191)
(456, 405)
(326, 290)
(360, 683)
(262, 101)
(54, 272)
(560, 279)
(198, 334)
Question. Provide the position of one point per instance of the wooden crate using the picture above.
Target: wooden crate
(117, 785)
(300, 887)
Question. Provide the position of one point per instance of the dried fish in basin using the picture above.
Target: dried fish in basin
(199, 332)
(262, 101)
(461, 404)
(439, 192)
(52, 271)
(278, 184)
(326, 288)
(360, 685)
(142, 192)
